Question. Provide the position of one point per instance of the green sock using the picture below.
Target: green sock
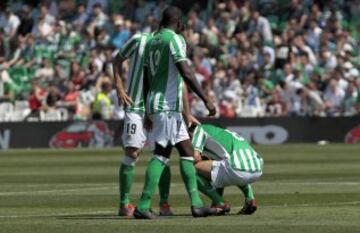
(152, 178)
(126, 176)
(248, 192)
(188, 175)
(206, 188)
(164, 185)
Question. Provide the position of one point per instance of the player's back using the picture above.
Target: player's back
(134, 50)
(241, 154)
(163, 51)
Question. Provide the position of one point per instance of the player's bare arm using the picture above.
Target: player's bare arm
(189, 78)
(189, 118)
(119, 84)
(146, 85)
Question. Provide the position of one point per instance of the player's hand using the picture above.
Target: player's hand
(148, 125)
(197, 156)
(124, 99)
(191, 120)
(211, 107)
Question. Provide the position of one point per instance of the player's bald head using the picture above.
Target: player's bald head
(171, 17)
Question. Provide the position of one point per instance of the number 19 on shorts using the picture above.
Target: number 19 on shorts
(130, 128)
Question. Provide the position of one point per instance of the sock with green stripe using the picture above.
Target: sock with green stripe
(206, 188)
(152, 178)
(164, 185)
(248, 192)
(126, 177)
(188, 174)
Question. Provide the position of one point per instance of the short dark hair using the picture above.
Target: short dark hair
(170, 15)
(97, 5)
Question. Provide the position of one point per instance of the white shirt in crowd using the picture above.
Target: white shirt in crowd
(9, 24)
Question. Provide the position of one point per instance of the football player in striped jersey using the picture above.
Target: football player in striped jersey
(223, 158)
(134, 134)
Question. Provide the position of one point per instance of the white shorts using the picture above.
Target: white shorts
(134, 134)
(168, 128)
(222, 175)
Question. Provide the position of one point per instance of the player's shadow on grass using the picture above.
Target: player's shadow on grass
(113, 217)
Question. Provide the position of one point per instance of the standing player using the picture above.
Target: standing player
(231, 161)
(165, 69)
(134, 135)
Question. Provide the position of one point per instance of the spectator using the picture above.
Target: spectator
(9, 22)
(26, 21)
(260, 24)
(102, 104)
(77, 75)
(276, 106)
(122, 33)
(81, 17)
(334, 98)
(251, 57)
(45, 15)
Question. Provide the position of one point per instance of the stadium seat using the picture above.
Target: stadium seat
(21, 105)
(51, 115)
(64, 114)
(19, 115)
(5, 110)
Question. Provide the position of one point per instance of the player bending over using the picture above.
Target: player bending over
(166, 69)
(230, 161)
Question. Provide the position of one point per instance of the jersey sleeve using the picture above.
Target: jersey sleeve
(199, 139)
(178, 48)
(129, 47)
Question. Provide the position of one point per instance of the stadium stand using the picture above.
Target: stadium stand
(254, 58)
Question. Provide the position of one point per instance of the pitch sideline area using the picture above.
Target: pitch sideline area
(305, 188)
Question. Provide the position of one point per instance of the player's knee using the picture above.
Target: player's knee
(129, 161)
(187, 152)
(132, 152)
(162, 159)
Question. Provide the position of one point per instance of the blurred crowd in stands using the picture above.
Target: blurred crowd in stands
(253, 57)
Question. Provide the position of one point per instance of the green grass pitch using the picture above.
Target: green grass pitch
(305, 188)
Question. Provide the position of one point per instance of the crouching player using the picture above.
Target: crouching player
(223, 158)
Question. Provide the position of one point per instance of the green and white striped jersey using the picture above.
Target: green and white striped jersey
(134, 49)
(163, 51)
(218, 144)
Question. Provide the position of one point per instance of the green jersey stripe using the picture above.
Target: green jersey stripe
(139, 75)
(251, 161)
(129, 47)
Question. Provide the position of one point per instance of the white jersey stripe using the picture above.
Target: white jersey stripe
(236, 159)
(181, 46)
(156, 100)
(250, 159)
(243, 159)
(200, 138)
(256, 160)
(138, 61)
